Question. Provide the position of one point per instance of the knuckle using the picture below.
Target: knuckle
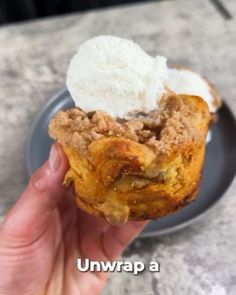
(37, 182)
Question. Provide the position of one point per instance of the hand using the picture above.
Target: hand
(44, 233)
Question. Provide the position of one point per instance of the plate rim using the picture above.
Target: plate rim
(142, 235)
(38, 115)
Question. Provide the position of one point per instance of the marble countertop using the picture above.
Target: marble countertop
(34, 58)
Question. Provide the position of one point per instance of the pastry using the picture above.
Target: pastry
(135, 147)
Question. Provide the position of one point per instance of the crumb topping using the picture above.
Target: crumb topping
(174, 123)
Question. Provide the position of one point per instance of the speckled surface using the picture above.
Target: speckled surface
(34, 57)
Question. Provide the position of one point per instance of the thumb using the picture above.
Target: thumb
(30, 216)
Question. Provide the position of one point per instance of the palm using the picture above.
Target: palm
(72, 234)
(44, 234)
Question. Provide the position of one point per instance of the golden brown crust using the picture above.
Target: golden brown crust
(127, 174)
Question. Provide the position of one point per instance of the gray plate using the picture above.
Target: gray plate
(219, 169)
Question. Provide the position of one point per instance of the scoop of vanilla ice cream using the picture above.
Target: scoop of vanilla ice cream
(115, 75)
(183, 81)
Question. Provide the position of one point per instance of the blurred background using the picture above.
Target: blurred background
(199, 34)
(20, 10)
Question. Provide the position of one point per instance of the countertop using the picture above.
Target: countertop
(34, 58)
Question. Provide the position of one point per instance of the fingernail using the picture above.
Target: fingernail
(54, 159)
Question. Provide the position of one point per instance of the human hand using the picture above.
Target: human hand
(45, 232)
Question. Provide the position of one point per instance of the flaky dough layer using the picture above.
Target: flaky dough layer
(142, 168)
